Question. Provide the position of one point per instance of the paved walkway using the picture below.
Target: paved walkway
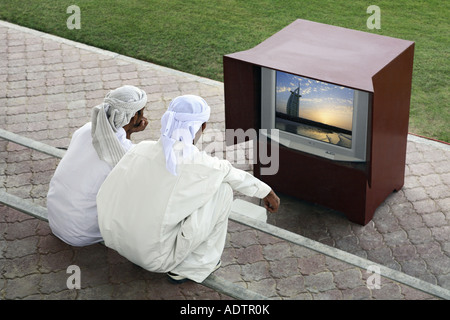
(48, 86)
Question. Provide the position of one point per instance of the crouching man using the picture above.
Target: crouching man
(165, 205)
(94, 150)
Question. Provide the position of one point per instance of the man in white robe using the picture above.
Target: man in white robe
(93, 151)
(165, 205)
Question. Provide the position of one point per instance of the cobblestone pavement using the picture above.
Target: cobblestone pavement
(48, 86)
(410, 231)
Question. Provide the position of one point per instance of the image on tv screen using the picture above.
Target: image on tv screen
(314, 109)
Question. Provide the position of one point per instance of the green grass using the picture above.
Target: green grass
(193, 35)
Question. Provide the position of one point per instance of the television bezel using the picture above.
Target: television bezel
(360, 126)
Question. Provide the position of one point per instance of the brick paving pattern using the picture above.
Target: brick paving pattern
(410, 231)
(47, 89)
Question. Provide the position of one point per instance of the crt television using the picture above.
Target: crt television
(320, 118)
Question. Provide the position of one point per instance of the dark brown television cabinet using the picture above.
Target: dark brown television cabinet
(360, 60)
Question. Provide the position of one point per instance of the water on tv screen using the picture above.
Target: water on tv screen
(314, 109)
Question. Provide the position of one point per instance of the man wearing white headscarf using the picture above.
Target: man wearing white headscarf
(94, 150)
(165, 206)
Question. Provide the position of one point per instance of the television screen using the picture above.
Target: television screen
(314, 116)
(314, 109)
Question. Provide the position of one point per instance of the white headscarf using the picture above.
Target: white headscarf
(180, 122)
(116, 111)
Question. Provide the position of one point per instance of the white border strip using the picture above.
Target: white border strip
(32, 144)
(436, 144)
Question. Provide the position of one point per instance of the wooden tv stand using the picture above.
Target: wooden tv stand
(377, 64)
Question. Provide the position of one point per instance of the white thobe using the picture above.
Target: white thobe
(71, 199)
(163, 222)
